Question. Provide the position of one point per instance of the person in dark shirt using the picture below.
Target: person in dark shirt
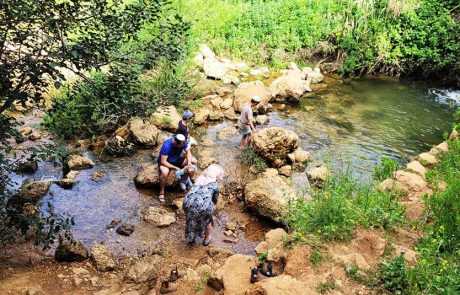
(183, 128)
(170, 157)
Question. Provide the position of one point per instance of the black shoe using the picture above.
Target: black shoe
(254, 277)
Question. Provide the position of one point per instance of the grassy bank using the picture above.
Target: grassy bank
(381, 36)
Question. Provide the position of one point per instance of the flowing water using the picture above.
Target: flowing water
(352, 123)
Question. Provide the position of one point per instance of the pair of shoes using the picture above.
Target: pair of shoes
(174, 275)
(166, 287)
(207, 241)
(269, 272)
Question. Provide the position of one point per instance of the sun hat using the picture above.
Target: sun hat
(187, 114)
(256, 99)
(179, 137)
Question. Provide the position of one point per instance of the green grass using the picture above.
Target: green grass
(250, 157)
(342, 205)
(388, 36)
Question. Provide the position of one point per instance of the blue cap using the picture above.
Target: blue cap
(187, 114)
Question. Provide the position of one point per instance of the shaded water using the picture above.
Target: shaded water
(354, 123)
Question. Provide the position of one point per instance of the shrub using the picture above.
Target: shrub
(342, 205)
(386, 169)
(250, 157)
(393, 275)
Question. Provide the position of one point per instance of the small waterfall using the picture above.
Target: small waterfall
(446, 96)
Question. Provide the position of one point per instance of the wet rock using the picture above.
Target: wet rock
(262, 119)
(125, 229)
(145, 270)
(166, 118)
(269, 196)
(318, 173)
(118, 146)
(69, 181)
(427, 159)
(103, 258)
(146, 134)
(215, 69)
(416, 167)
(113, 223)
(411, 182)
(71, 252)
(314, 75)
(205, 162)
(201, 116)
(227, 132)
(453, 135)
(25, 131)
(285, 171)
(216, 116)
(247, 90)
(149, 176)
(31, 191)
(300, 156)
(275, 143)
(215, 100)
(33, 290)
(78, 162)
(159, 216)
(97, 175)
(27, 166)
(282, 284)
(233, 276)
(389, 185)
(290, 86)
(35, 135)
(226, 104)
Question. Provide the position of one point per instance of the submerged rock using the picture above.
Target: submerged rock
(71, 252)
(125, 229)
(27, 166)
(103, 258)
(31, 191)
(269, 196)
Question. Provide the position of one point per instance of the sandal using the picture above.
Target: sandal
(162, 198)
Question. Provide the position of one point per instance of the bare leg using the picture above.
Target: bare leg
(249, 138)
(164, 172)
(207, 232)
(242, 142)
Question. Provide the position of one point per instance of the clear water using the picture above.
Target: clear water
(354, 123)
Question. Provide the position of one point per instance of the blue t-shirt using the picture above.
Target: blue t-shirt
(172, 152)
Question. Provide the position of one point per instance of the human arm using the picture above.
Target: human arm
(164, 162)
(188, 151)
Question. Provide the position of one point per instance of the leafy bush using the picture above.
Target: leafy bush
(393, 275)
(386, 169)
(342, 205)
(250, 157)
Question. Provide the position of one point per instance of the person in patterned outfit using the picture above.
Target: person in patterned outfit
(199, 204)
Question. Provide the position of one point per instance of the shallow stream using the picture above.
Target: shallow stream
(348, 123)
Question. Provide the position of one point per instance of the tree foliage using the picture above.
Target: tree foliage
(40, 38)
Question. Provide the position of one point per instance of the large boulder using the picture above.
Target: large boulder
(32, 191)
(283, 284)
(215, 69)
(411, 182)
(71, 252)
(314, 75)
(77, 162)
(166, 118)
(145, 270)
(247, 90)
(275, 143)
(290, 86)
(103, 258)
(142, 133)
(269, 196)
(159, 217)
(233, 276)
(149, 176)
